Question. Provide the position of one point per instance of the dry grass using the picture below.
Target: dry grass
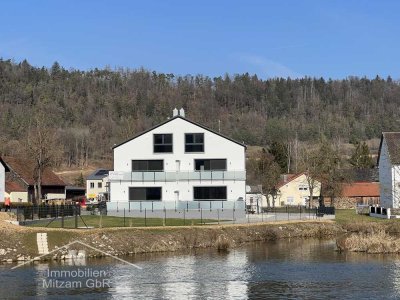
(379, 242)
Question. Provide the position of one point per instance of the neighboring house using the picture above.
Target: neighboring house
(364, 189)
(255, 200)
(178, 160)
(3, 170)
(293, 190)
(97, 185)
(389, 169)
(20, 179)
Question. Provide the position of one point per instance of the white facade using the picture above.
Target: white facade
(96, 187)
(178, 177)
(389, 178)
(2, 182)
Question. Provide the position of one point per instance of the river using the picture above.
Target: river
(285, 269)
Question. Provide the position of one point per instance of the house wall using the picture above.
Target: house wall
(94, 192)
(17, 197)
(2, 182)
(215, 147)
(290, 193)
(386, 174)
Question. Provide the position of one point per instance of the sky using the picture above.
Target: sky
(330, 39)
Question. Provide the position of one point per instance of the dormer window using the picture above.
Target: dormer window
(194, 142)
(162, 143)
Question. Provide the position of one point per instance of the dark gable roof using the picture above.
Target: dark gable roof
(194, 123)
(99, 174)
(393, 145)
(4, 165)
(24, 169)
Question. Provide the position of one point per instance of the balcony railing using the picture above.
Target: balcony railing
(177, 176)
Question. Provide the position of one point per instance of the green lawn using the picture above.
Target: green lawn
(345, 216)
(109, 221)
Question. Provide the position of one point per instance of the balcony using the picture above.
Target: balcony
(115, 176)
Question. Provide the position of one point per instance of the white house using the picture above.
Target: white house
(255, 199)
(97, 185)
(389, 169)
(3, 169)
(178, 160)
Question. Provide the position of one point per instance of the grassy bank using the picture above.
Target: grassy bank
(110, 221)
(123, 241)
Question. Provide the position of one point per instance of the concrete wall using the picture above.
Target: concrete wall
(17, 197)
(2, 182)
(215, 147)
(386, 174)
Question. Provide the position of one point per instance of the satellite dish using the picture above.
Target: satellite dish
(248, 189)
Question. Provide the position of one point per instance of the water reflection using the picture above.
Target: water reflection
(288, 269)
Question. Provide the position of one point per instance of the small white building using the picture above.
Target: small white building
(389, 169)
(97, 185)
(178, 160)
(255, 199)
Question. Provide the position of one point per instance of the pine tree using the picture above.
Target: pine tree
(361, 158)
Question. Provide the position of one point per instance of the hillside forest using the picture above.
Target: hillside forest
(79, 115)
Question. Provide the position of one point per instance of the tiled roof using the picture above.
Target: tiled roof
(393, 145)
(24, 169)
(13, 186)
(361, 189)
(287, 178)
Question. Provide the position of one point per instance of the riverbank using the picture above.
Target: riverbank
(19, 243)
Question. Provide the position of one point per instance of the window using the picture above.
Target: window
(162, 143)
(99, 185)
(303, 188)
(145, 193)
(92, 185)
(194, 142)
(147, 165)
(210, 164)
(209, 192)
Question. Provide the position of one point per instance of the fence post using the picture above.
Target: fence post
(165, 216)
(218, 215)
(62, 216)
(210, 205)
(187, 205)
(145, 217)
(129, 203)
(124, 216)
(117, 206)
(222, 205)
(76, 217)
(140, 206)
(152, 206)
(201, 215)
(300, 212)
(184, 217)
(262, 215)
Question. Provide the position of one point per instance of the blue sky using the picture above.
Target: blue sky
(332, 39)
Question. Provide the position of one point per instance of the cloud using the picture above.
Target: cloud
(267, 67)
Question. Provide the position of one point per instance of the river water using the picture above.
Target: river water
(286, 269)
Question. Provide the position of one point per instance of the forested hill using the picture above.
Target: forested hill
(92, 110)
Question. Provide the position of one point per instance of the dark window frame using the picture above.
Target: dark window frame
(210, 168)
(148, 169)
(194, 143)
(225, 198)
(159, 188)
(163, 143)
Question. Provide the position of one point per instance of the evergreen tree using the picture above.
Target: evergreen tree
(279, 152)
(361, 158)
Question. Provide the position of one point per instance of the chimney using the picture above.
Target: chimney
(175, 112)
(182, 112)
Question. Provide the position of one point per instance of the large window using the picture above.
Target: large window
(145, 193)
(209, 192)
(210, 164)
(162, 143)
(147, 165)
(194, 142)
